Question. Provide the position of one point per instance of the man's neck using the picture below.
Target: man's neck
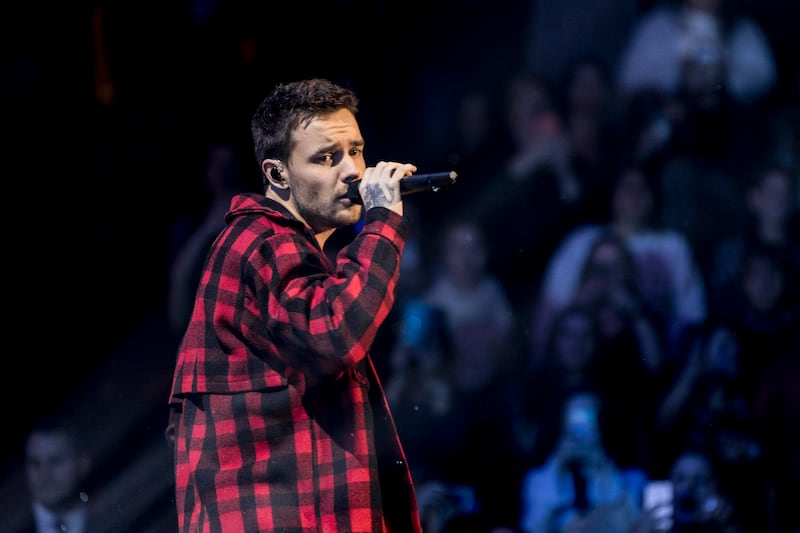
(321, 236)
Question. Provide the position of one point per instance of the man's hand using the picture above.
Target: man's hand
(380, 186)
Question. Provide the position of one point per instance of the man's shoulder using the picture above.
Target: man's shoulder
(255, 204)
(256, 215)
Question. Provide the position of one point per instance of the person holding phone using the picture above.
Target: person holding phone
(696, 504)
(580, 487)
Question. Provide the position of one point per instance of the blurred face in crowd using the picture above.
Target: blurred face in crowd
(588, 89)
(574, 341)
(633, 199)
(694, 486)
(608, 285)
(772, 198)
(465, 254)
(54, 469)
(762, 281)
(606, 269)
(531, 112)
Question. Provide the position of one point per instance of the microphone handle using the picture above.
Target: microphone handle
(410, 184)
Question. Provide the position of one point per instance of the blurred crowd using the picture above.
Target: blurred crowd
(607, 296)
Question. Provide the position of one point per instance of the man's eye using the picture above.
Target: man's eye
(355, 152)
(324, 158)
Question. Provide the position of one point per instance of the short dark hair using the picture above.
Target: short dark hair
(289, 105)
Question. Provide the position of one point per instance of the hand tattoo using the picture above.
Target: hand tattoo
(376, 196)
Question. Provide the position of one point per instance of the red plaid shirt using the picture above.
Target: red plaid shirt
(281, 421)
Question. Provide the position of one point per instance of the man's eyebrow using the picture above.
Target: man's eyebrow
(326, 149)
(334, 146)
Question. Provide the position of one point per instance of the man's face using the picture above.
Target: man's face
(328, 154)
(54, 469)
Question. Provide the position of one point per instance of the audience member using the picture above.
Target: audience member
(630, 348)
(477, 310)
(698, 503)
(482, 327)
(580, 488)
(428, 420)
(567, 368)
(607, 281)
(536, 186)
(704, 36)
(591, 110)
(475, 146)
(475, 143)
(694, 96)
(761, 307)
(441, 432)
(419, 390)
(708, 406)
(773, 220)
(57, 467)
(702, 201)
(669, 280)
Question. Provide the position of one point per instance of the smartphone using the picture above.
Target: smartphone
(657, 502)
(581, 420)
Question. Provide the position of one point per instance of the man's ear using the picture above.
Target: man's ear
(273, 172)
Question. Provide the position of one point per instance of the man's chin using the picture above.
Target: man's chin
(352, 215)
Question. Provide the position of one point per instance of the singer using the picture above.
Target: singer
(277, 417)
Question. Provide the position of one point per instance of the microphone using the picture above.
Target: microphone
(410, 184)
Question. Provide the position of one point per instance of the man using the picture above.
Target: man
(279, 420)
(56, 466)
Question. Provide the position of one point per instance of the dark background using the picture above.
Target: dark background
(94, 188)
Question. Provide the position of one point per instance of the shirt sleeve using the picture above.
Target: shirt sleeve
(325, 317)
